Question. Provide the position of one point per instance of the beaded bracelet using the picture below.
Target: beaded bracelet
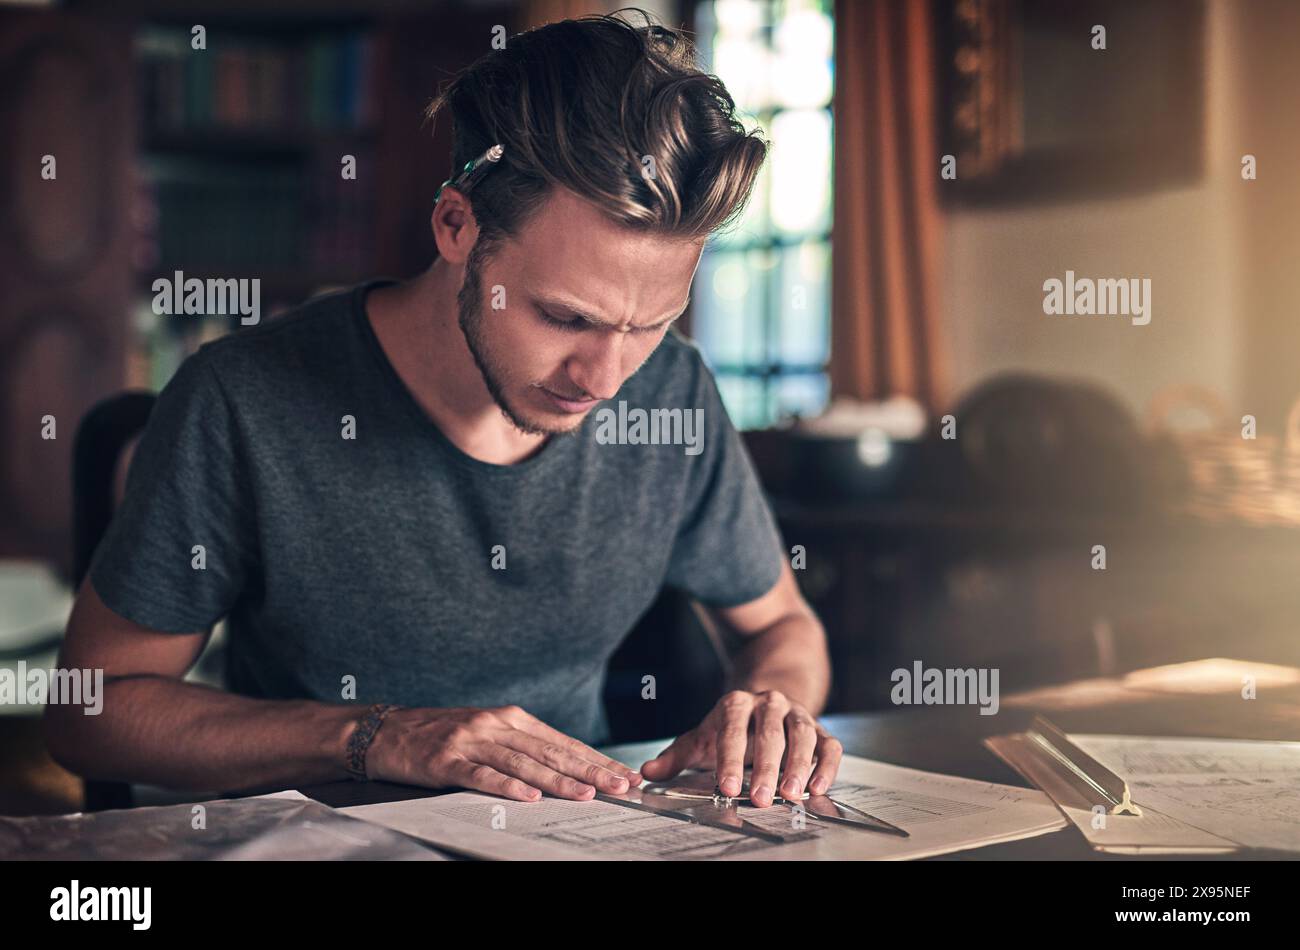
(362, 736)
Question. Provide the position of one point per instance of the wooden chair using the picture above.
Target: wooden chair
(104, 433)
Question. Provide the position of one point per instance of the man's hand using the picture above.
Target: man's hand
(504, 751)
(759, 728)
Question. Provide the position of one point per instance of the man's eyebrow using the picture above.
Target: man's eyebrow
(555, 304)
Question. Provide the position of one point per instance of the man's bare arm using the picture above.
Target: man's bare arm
(156, 728)
(784, 648)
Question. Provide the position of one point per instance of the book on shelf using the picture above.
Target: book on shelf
(324, 81)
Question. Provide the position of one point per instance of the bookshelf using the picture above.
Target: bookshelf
(241, 168)
(225, 168)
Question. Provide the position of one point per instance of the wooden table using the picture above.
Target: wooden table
(948, 739)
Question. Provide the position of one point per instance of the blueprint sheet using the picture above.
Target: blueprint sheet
(1246, 791)
(942, 813)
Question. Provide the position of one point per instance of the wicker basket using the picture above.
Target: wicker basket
(1287, 502)
(1228, 477)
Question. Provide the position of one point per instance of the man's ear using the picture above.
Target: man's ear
(454, 227)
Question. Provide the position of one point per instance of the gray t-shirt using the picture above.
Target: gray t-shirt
(432, 578)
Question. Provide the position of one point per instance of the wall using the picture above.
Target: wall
(1221, 255)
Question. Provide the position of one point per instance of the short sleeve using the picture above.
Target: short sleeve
(727, 551)
(181, 547)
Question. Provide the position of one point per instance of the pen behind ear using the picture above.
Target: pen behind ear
(474, 169)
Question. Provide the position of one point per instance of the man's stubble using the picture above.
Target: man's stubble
(470, 316)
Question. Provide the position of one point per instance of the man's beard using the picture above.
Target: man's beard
(470, 316)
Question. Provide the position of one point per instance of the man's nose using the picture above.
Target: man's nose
(598, 367)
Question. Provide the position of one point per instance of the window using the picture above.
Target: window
(762, 301)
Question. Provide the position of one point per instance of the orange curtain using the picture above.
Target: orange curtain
(884, 330)
(535, 13)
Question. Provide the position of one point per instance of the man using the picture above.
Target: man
(397, 495)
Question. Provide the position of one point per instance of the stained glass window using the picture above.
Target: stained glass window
(762, 299)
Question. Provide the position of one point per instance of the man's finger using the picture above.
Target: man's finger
(484, 778)
(733, 737)
(829, 753)
(562, 759)
(523, 766)
(769, 745)
(801, 745)
(682, 753)
(527, 722)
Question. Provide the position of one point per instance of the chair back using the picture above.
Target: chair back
(103, 434)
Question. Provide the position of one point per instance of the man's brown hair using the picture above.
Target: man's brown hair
(617, 113)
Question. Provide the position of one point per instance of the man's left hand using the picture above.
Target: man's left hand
(779, 736)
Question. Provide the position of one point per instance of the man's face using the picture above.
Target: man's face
(571, 307)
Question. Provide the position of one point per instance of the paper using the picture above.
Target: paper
(1153, 833)
(1246, 791)
(942, 813)
(286, 826)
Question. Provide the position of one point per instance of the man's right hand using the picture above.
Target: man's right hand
(504, 751)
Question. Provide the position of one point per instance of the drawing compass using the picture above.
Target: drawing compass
(701, 786)
(695, 796)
